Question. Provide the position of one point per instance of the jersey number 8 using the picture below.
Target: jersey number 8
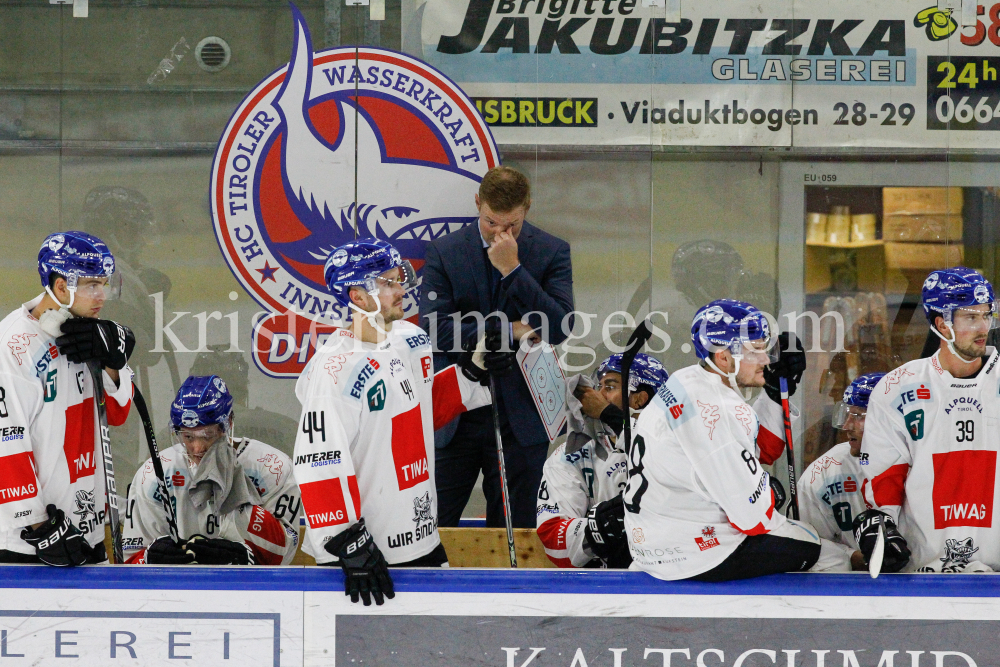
(637, 483)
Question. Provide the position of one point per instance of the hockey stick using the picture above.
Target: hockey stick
(110, 491)
(154, 456)
(503, 475)
(632, 347)
(786, 414)
(875, 563)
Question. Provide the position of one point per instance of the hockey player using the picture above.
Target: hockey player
(235, 499)
(52, 488)
(580, 515)
(364, 456)
(698, 503)
(834, 486)
(930, 440)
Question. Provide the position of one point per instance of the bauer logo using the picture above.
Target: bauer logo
(339, 144)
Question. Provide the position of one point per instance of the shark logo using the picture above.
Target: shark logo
(87, 511)
(957, 554)
(422, 508)
(340, 144)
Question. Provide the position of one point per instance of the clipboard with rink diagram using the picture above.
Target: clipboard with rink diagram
(547, 383)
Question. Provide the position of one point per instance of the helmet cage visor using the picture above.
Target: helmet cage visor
(965, 317)
(845, 412)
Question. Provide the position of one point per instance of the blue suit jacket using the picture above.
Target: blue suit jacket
(456, 273)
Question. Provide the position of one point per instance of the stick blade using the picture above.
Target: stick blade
(875, 564)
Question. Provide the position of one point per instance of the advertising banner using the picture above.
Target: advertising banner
(712, 73)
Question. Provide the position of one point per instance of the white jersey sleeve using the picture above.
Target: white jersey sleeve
(563, 503)
(832, 493)
(885, 446)
(272, 529)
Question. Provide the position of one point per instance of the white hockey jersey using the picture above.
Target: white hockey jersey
(365, 445)
(571, 485)
(930, 449)
(696, 485)
(269, 529)
(50, 449)
(832, 491)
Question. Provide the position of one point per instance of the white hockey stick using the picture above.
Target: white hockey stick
(875, 564)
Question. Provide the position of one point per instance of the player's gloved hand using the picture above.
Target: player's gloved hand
(85, 339)
(865, 526)
(216, 551)
(57, 541)
(605, 533)
(366, 574)
(486, 358)
(779, 493)
(164, 551)
(791, 365)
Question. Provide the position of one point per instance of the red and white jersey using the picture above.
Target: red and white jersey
(365, 445)
(832, 492)
(571, 485)
(930, 450)
(269, 529)
(696, 485)
(50, 449)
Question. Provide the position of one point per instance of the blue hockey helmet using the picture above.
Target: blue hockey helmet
(202, 400)
(856, 396)
(957, 287)
(645, 370)
(737, 326)
(74, 255)
(359, 263)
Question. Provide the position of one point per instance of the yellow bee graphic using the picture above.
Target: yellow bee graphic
(937, 22)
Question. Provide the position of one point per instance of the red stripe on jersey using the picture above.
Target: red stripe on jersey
(888, 488)
(552, 533)
(963, 488)
(771, 446)
(759, 529)
(138, 558)
(78, 440)
(352, 487)
(409, 453)
(324, 503)
(561, 562)
(265, 527)
(446, 397)
(117, 414)
(17, 478)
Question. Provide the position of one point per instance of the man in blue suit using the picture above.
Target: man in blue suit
(500, 264)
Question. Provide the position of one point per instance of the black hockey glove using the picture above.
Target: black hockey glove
(605, 533)
(57, 541)
(790, 365)
(216, 551)
(483, 359)
(85, 339)
(779, 493)
(366, 574)
(164, 551)
(866, 524)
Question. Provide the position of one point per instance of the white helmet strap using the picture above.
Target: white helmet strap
(731, 376)
(950, 341)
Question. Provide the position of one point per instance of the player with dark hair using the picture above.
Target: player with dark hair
(580, 517)
(235, 499)
(834, 488)
(52, 482)
(364, 453)
(930, 440)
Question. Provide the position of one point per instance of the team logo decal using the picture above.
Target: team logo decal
(915, 424)
(339, 144)
(982, 294)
